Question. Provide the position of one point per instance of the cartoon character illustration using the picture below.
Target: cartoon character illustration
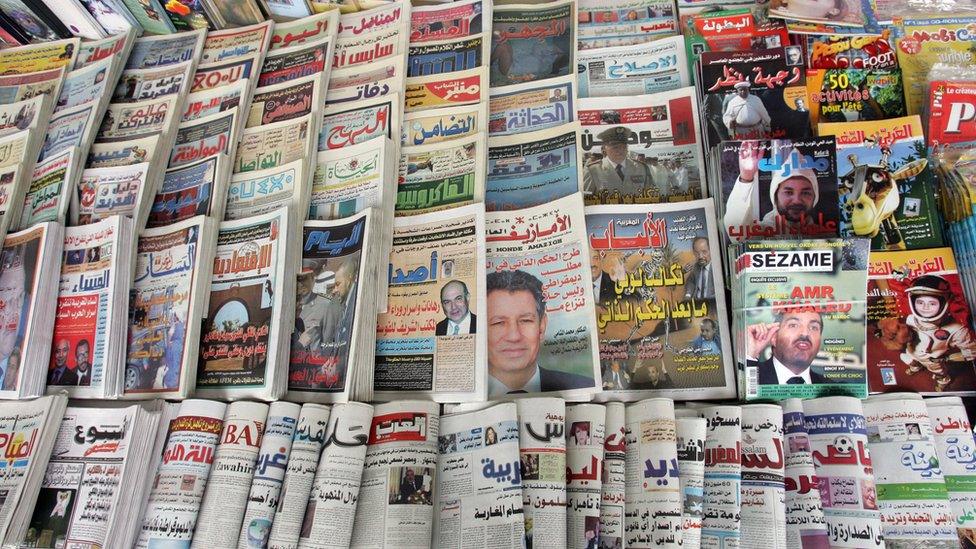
(939, 338)
(875, 198)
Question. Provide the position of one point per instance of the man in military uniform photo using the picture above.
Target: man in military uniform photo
(616, 171)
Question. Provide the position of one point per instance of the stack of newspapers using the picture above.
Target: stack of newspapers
(87, 89)
(95, 480)
(88, 346)
(29, 433)
(138, 130)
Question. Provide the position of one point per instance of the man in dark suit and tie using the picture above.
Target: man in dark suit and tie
(459, 318)
(410, 484)
(603, 285)
(795, 341)
(699, 283)
(517, 323)
(61, 374)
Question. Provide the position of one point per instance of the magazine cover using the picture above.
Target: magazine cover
(923, 42)
(164, 301)
(854, 52)
(542, 334)
(325, 323)
(919, 328)
(752, 95)
(430, 343)
(532, 42)
(778, 189)
(240, 347)
(800, 316)
(641, 149)
(886, 184)
(850, 95)
(660, 310)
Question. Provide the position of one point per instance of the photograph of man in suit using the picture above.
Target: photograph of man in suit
(516, 328)
(794, 340)
(82, 362)
(458, 317)
(60, 374)
(699, 283)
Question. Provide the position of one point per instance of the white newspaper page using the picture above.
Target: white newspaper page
(912, 496)
(431, 341)
(302, 463)
(396, 506)
(479, 480)
(222, 510)
(653, 506)
(839, 447)
(331, 509)
(653, 67)
(542, 453)
(272, 464)
(763, 514)
(171, 514)
(81, 486)
(613, 491)
(957, 456)
(585, 437)
(806, 526)
(690, 432)
(723, 474)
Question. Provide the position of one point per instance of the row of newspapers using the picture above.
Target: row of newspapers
(827, 472)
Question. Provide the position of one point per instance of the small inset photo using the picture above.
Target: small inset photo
(411, 486)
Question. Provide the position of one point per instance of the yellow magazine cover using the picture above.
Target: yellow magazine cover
(922, 43)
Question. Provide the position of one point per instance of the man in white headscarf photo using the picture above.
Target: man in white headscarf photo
(793, 192)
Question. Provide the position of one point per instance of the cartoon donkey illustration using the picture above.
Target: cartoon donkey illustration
(874, 197)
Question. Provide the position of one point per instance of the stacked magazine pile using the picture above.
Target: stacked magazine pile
(30, 430)
(94, 478)
(799, 313)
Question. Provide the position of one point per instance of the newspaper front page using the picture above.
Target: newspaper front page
(690, 433)
(763, 514)
(532, 169)
(653, 67)
(843, 464)
(441, 175)
(542, 455)
(805, 522)
(479, 480)
(956, 450)
(396, 506)
(585, 438)
(536, 264)
(912, 496)
(332, 503)
(438, 125)
(313, 422)
(613, 489)
(723, 477)
(269, 474)
(533, 106)
(431, 340)
(181, 479)
(234, 463)
(653, 490)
